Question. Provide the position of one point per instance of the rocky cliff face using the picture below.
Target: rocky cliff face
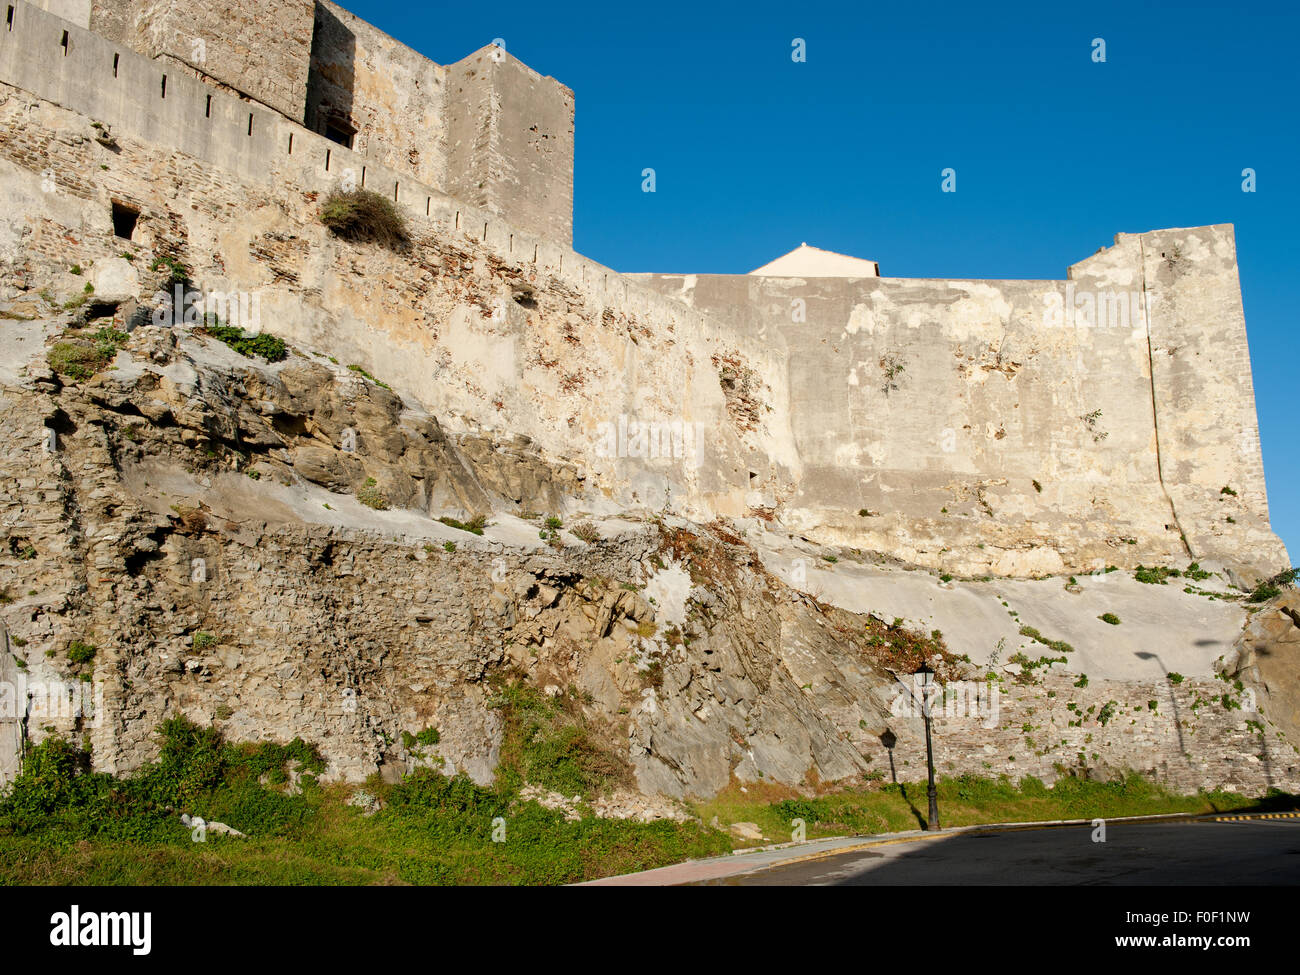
(192, 530)
(293, 548)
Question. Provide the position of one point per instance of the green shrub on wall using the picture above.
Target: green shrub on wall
(364, 216)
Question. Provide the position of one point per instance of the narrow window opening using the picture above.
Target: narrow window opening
(124, 218)
(164, 86)
(250, 123)
(9, 20)
(291, 143)
(207, 111)
(64, 43)
(457, 220)
(340, 132)
(115, 57)
(510, 247)
(363, 177)
(485, 231)
(327, 160)
(428, 202)
(395, 186)
(534, 253)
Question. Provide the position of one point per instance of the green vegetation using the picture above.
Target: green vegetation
(260, 345)
(1029, 666)
(361, 372)
(1060, 646)
(370, 495)
(429, 736)
(1110, 618)
(80, 356)
(61, 823)
(449, 546)
(80, 653)
(1196, 573)
(549, 742)
(1228, 491)
(365, 217)
(204, 640)
(1175, 677)
(177, 273)
(1272, 587)
(474, 526)
(1154, 575)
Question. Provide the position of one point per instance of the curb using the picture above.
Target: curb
(1282, 815)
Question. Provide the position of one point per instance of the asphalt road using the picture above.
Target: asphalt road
(1228, 853)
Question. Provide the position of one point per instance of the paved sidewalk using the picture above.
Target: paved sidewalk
(762, 858)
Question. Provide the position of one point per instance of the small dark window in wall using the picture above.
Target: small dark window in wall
(115, 57)
(64, 43)
(363, 176)
(340, 133)
(250, 123)
(9, 20)
(164, 86)
(327, 160)
(291, 143)
(207, 110)
(124, 218)
(395, 186)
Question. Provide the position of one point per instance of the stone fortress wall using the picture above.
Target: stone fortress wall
(1008, 410)
(487, 129)
(977, 437)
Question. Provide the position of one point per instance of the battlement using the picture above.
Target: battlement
(487, 129)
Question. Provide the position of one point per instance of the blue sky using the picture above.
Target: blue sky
(1054, 153)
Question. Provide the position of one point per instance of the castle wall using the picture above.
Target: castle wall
(510, 142)
(996, 415)
(260, 48)
(76, 11)
(900, 398)
(390, 94)
(1204, 393)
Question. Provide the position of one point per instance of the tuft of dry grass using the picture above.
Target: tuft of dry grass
(364, 216)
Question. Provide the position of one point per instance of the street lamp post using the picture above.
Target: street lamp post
(927, 682)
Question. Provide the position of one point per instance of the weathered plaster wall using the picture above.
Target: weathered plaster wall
(76, 11)
(1204, 393)
(510, 142)
(260, 48)
(391, 95)
(985, 430)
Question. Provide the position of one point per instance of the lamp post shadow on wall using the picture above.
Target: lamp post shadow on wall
(889, 740)
(926, 676)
